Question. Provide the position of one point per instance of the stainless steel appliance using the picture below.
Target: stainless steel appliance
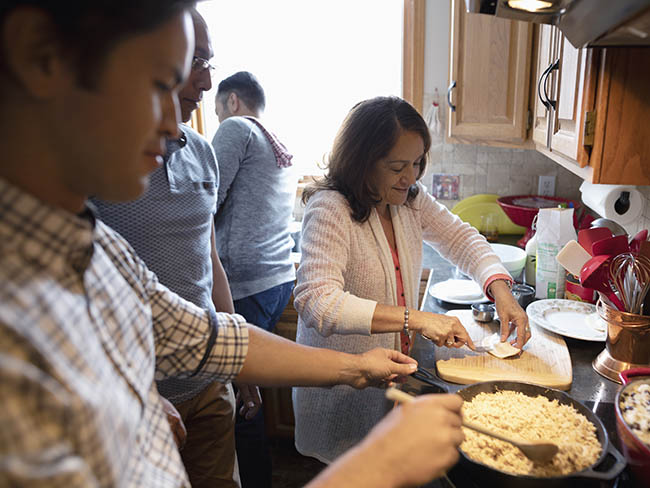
(586, 23)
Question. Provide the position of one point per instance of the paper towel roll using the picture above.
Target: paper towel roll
(609, 201)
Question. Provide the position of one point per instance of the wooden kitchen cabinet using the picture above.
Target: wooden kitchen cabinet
(568, 115)
(545, 57)
(621, 150)
(558, 96)
(489, 78)
(599, 126)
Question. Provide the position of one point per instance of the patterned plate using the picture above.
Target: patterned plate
(569, 318)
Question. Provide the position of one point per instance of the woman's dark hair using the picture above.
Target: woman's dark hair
(367, 135)
(89, 29)
(246, 86)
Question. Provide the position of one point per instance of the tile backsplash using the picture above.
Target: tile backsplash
(502, 171)
(506, 171)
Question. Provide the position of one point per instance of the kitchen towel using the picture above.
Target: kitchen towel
(432, 118)
(620, 203)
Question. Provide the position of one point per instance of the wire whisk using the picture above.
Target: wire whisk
(630, 275)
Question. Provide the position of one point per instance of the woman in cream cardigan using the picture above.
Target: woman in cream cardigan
(357, 285)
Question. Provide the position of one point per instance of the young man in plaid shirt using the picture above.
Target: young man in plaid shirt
(89, 95)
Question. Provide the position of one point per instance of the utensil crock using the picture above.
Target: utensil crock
(627, 345)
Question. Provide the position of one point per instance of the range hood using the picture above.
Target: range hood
(585, 23)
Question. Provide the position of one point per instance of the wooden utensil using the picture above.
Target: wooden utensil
(537, 451)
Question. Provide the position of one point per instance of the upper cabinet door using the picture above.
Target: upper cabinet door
(490, 65)
(543, 85)
(568, 124)
(621, 153)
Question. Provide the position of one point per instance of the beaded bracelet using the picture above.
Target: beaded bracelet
(406, 320)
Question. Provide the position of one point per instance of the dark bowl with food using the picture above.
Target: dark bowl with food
(633, 421)
(605, 468)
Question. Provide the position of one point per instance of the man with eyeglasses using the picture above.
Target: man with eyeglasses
(88, 95)
(171, 229)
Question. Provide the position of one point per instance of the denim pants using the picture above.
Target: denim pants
(264, 310)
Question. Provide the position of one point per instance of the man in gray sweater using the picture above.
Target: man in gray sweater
(255, 201)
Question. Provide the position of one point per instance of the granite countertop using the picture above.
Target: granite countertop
(588, 387)
(587, 384)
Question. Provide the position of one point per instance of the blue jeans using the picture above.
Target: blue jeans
(264, 310)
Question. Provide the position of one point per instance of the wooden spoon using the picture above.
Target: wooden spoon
(537, 451)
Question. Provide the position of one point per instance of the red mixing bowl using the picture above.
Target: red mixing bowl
(525, 214)
(636, 452)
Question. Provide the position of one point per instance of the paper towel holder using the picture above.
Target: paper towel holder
(622, 204)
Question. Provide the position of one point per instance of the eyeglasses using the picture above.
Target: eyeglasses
(201, 64)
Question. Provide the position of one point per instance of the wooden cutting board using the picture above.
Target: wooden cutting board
(545, 360)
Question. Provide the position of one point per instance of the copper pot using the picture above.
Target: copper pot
(636, 452)
(627, 345)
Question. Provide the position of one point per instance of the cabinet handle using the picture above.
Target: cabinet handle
(542, 79)
(554, 66)
(550, 105)
(451, 87)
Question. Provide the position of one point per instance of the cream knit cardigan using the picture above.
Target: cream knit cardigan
(345, 270)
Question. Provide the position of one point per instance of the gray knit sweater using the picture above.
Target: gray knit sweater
(255, 203)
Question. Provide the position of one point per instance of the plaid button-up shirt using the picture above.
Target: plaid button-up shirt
(84, 328)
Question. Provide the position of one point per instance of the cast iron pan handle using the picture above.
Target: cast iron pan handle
(451, 87)
(430, 379)
(612, 472)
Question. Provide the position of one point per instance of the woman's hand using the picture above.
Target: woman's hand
(511, 315)
(443, 330)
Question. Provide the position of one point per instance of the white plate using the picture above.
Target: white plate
(460, 292)
(569, 318)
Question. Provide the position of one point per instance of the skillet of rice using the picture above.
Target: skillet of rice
(530, 418)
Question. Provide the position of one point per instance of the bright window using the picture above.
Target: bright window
(315, 60)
